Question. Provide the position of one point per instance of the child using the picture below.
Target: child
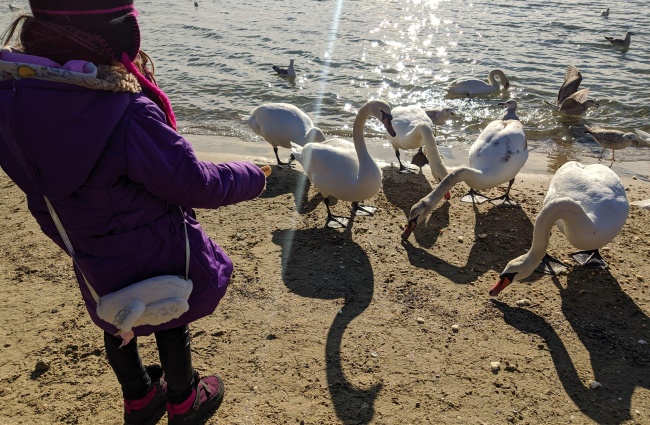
(83, 123)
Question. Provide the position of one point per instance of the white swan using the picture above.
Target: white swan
(473, 86)
(588, 204)
(345, 170)
(282, 123)
(495, 158)
(413, 129)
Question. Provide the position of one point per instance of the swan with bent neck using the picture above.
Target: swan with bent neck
(495, 158)
(474, 86)
(587, 203)
(344, 170)
(414, 129)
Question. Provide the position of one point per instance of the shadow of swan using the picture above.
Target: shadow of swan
(512, 223)
(339, 269)
(610, 325)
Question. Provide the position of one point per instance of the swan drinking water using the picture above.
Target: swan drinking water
(345, 170)
(473, 86)
(588, 204)
(282, 123)
(495, 158)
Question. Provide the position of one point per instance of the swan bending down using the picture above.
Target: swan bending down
(282, 123)
(495, 158)
(570, 100)
(588, 204)
(345, 170)
(473, 86)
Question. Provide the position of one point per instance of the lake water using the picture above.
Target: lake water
(214, 61)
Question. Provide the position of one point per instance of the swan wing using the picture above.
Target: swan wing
(572, 80)
(280, 123)
(500, 151)
(600, 193)
(470, 86)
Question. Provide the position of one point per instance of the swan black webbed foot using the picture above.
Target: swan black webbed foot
(363, 210)
(403, 169)
(591, 259)
(551, 265)
(334, 221)
(505, 200)
(283, 164)
(474, 197)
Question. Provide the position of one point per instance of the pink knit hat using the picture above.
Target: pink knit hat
(115, 25)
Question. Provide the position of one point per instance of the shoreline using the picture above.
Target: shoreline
(228, 148)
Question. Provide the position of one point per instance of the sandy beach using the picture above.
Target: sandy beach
(352, 326)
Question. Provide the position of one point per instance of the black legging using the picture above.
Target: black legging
(175, 358)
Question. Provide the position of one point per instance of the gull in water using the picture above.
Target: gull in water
(439, 117)
(570, 100)
(611, 139)
(604, 13)
(285, 72)
(623, 43)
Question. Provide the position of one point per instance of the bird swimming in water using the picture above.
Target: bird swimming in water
(285, 72)
(570, 100)
(623, 43)
(611, 139)
(604, 13)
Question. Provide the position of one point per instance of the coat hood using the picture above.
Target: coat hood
(61, 130)
(55, 120)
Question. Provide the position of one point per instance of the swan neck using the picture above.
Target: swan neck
(563, 208)
(458, 175)
(357, 133)
(438, 168)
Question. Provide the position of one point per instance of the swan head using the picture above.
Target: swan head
(418, 214)
(381, 110)
(517, 269)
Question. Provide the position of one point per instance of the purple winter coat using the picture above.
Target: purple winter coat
(116, 174)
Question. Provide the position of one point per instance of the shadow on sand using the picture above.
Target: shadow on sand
(610, 325)
(340, 269)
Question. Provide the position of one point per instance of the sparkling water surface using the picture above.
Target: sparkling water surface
(214, 61)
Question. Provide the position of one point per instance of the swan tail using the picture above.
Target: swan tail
(252, 123)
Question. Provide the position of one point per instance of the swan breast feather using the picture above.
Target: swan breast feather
(500, 144)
